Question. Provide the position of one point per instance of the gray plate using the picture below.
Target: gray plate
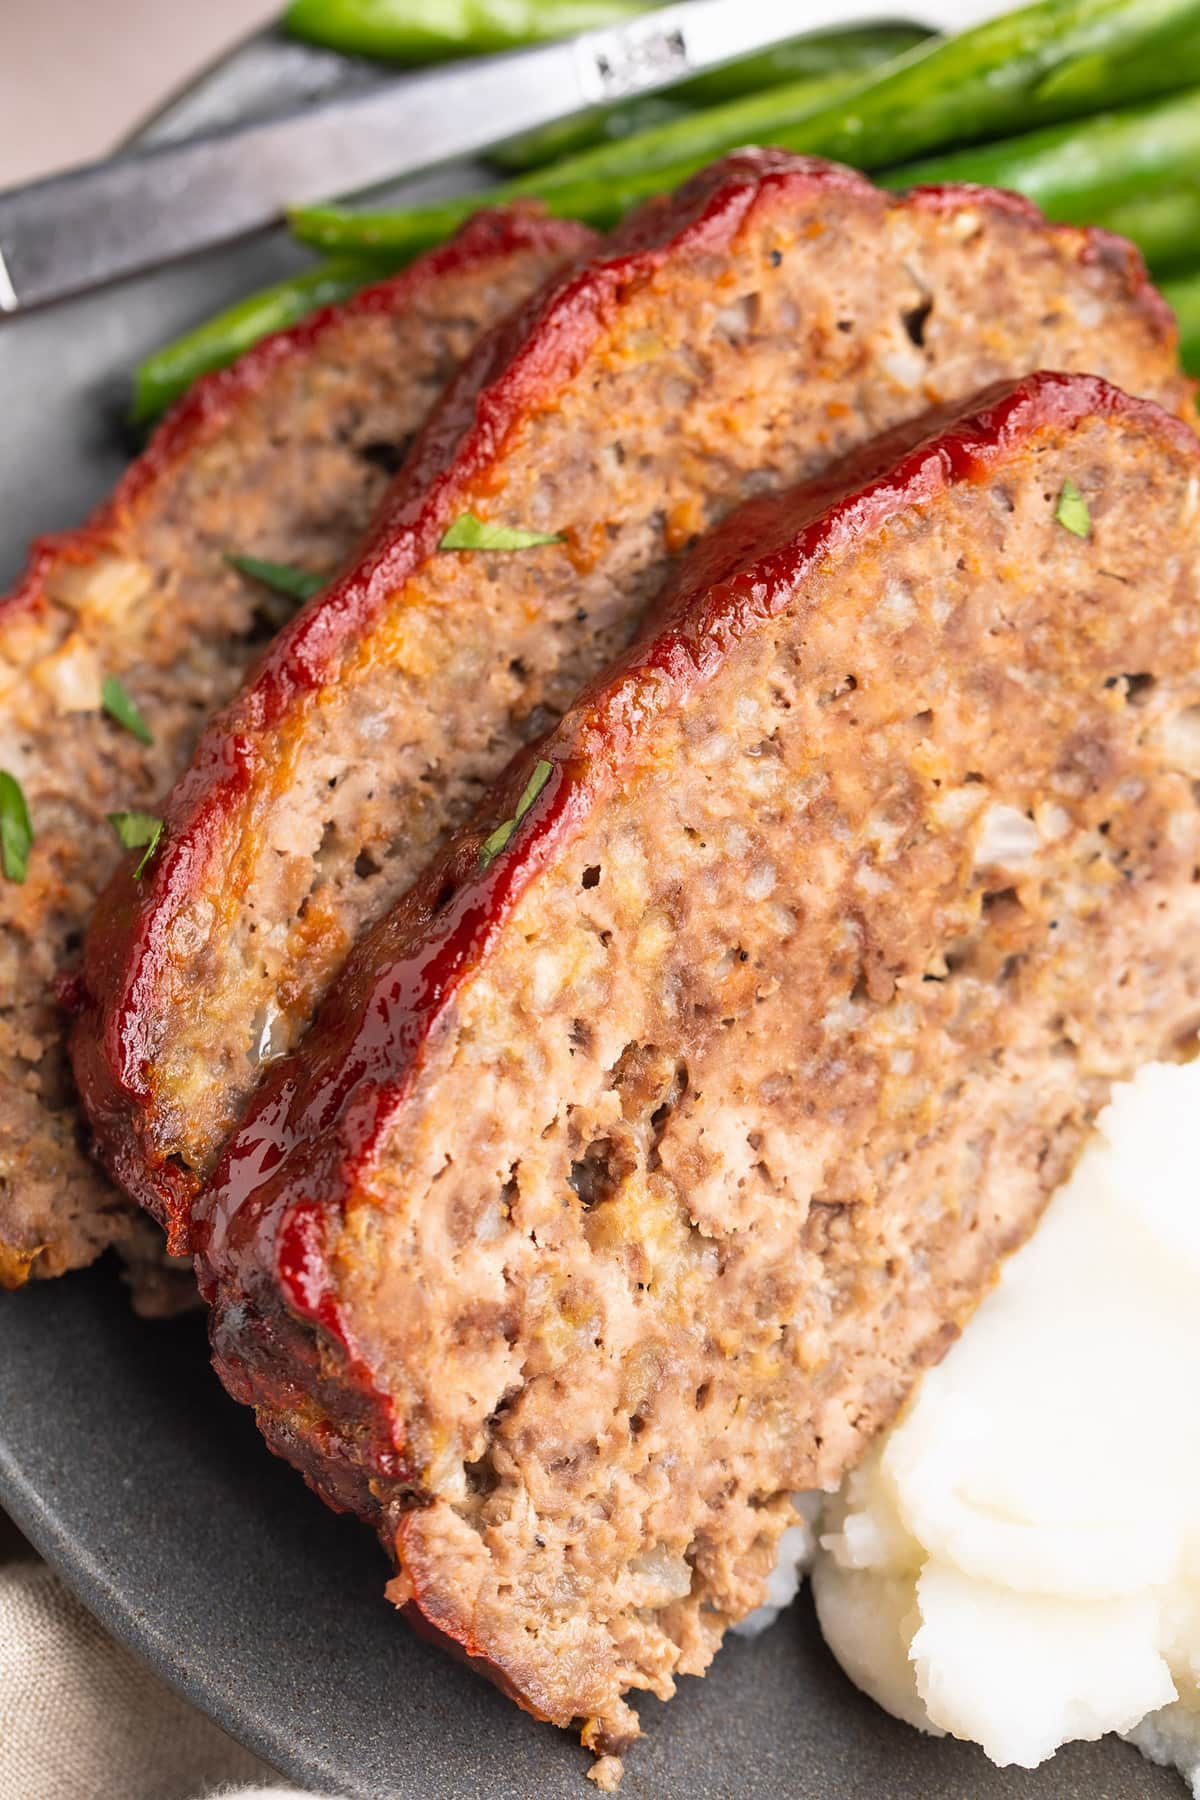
(153, 1496)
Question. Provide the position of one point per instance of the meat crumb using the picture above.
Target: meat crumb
(607, 1773)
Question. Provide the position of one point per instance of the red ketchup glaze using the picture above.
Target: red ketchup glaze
(316, 1119)
(436, 1626)
(267, 1226)
(210, 407)
(516, 369)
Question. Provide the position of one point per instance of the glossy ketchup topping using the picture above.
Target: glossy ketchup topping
(516, 370)
(270, 1216)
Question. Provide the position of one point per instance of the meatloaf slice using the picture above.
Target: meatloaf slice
(778, 312)
(682, 1112)
(283, 457)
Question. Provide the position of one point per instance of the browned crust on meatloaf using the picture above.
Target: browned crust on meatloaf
(730, 341)
(628, 1181)
(285, 457)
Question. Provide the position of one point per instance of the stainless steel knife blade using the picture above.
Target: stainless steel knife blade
(96, 223)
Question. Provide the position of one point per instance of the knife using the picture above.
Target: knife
(129, 213)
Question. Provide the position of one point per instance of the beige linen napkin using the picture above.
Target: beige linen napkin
(82, 1719)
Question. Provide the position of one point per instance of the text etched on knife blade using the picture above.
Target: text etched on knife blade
(637, 56)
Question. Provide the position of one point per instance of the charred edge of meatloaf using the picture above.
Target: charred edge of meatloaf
(780, 1040)
(279, 457)
(652, 391)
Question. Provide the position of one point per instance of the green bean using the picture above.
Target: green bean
(422, 31)
(602, 125)
(1053, 61)
(754, 119)
(164, 374)
(1096, 171)
(824, 53)
(665, 156)
(1164, 225)
(829, 53)
(1075, 171)
(1184, 296)
(1049, 61)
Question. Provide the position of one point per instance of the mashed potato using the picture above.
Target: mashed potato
(1019, 1561)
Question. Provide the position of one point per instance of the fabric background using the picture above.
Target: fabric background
(81, 1718)
(76, 75)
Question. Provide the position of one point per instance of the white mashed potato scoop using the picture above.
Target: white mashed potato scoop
(1018, 1563)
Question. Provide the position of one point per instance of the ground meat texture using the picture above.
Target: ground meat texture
(731, 340)
(284, 457)
(630, 1176)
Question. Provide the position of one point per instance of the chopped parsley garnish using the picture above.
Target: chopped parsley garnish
(1072, 510)
(135, 829)
(16, 829)
(120, 705)
(499, 839)
(471, 533)
(283, 578)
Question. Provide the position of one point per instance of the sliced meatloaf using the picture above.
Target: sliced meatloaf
(776, 313)
(680, 1114)
(283, 457)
